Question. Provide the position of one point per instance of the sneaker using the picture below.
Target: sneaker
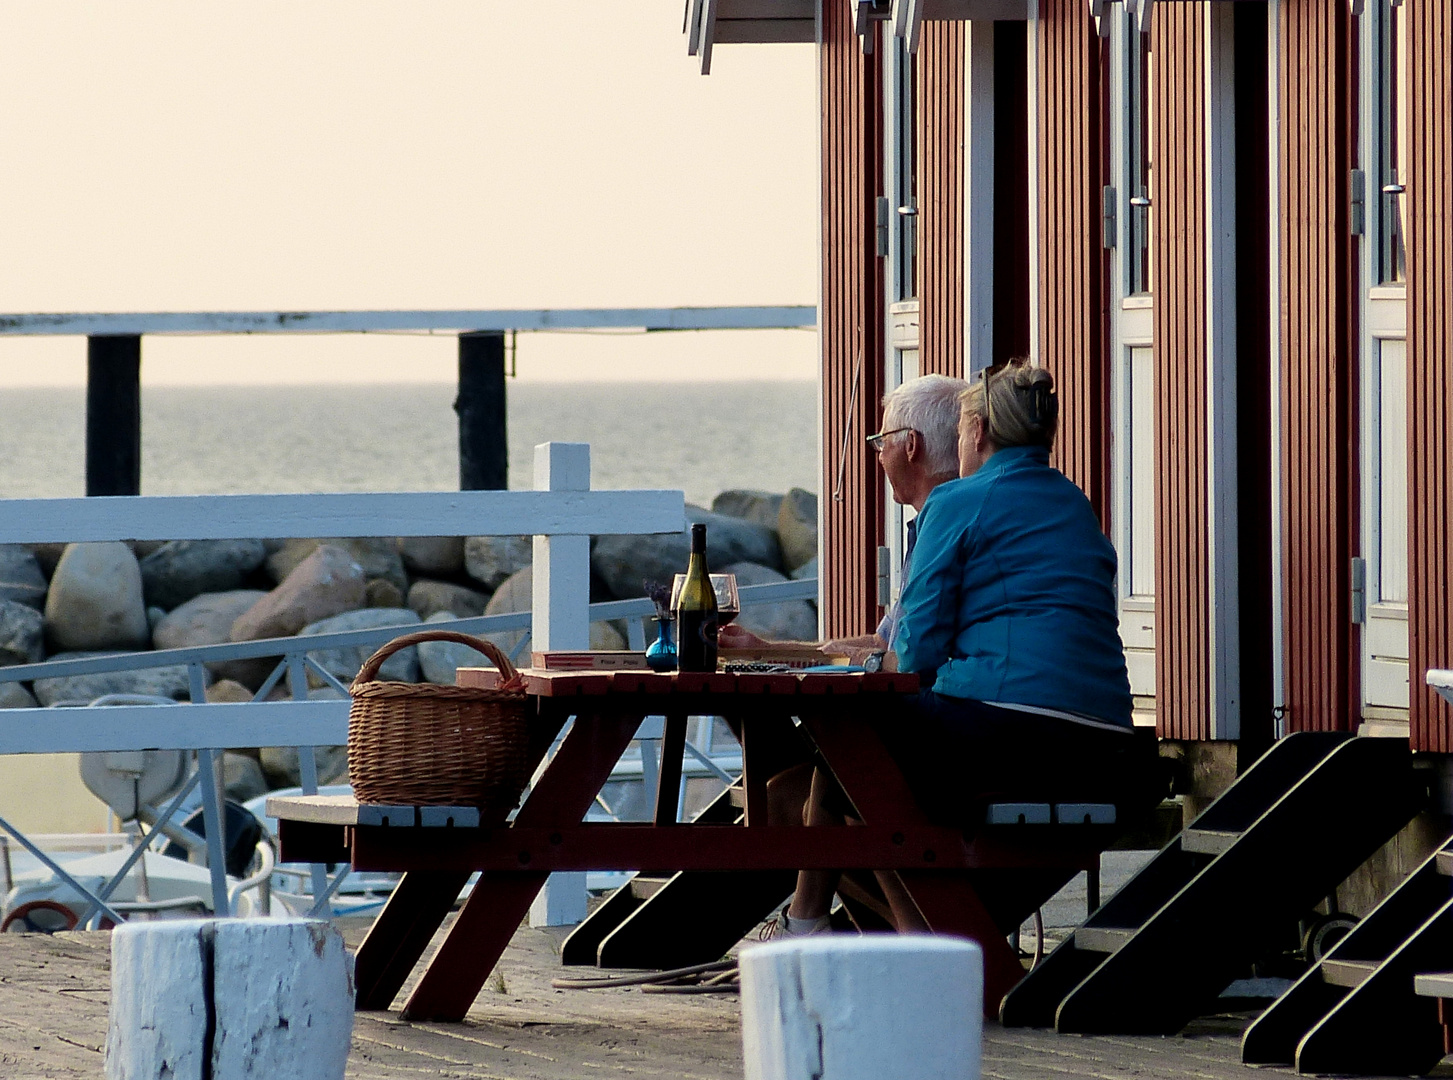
(783, 925)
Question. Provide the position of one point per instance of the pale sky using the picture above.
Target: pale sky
(315, 154)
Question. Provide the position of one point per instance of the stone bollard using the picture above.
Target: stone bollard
(229, 999)
(833, 1007)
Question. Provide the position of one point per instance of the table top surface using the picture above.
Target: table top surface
(598, 683)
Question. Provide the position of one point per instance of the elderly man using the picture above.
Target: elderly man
(918, 449)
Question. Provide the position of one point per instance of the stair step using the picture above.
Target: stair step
(1348, 973)
(1445, 863)
(645, 886)
(1103, 939)
(1207, 841)
(1438, 984)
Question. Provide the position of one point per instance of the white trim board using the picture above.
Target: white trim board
(786, 317)
(454, 513)
(175, 727)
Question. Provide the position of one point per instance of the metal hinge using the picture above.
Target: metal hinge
(1359, 202)
(884, 208)
(885, 576)
(1108, 224)
(1359, 590)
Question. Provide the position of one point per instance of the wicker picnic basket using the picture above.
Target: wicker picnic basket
(424, 745)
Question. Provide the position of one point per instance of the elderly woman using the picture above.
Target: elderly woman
(1010, 617)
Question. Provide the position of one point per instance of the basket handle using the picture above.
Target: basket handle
(511, 678)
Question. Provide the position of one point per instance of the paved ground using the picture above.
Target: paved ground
(55, 991)
(54, 995)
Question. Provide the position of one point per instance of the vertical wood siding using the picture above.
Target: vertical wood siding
(1178, 274)
(941, 84)
(1072, 265)
(851, 325)
(1430, 364)
(1318, 368)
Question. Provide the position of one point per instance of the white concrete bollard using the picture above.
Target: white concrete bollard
(229, 999)
(839, 1007)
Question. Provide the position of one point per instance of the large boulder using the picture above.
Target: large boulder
(430, 597)
(624, 562)
(95, 600)
(378, 556)
(22, 634)
(328, 582)
(382, 593)
(516, 594)
(790, 620)
(242, 777)
(491, 559)
(15, 696)
(47, 555)
(343, 664)
(760, 507)
(280, 765)
(169, 682)
(438, 659)
(433, 556)
(797, 528)
(21, 577)
(207, 620)
(181, 569)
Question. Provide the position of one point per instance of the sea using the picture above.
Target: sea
(699, 437)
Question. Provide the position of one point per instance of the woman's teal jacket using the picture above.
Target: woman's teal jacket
(1010, 597)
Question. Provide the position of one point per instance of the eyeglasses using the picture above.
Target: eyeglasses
(876, 441)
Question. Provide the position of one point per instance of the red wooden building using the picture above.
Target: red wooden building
(1227, 228)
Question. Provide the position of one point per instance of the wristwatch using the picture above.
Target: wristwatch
(874, 662)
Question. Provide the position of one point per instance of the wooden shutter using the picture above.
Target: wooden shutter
(851, 325)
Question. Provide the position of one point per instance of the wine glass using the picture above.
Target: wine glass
(728, 603)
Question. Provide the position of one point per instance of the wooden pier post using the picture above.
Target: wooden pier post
(861, 1008)
(113, 415)
(483, 449)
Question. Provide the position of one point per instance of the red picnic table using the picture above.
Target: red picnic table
(937, 864)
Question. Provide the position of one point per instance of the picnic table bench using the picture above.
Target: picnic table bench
(437, 849)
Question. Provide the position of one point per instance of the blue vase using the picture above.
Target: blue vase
(661, 656)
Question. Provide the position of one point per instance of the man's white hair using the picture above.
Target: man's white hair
(930, 406)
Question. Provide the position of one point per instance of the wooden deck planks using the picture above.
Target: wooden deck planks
(54, 997)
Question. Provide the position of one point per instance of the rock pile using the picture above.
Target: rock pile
(59, 601)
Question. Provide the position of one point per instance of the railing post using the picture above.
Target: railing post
(561, 620)
(483, 448)
(113, 415)
(213, 809)
(561, 594)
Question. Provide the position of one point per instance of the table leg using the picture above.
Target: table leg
(946, 900)
(668, 783)
(949, 904)
(401, 933)
(500, 901)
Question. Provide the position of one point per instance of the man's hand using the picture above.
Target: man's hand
(732, 636)
(856, 649)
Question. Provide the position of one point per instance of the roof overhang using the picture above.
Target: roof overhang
(750, 22)
(910, 15)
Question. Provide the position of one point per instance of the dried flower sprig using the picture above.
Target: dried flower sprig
(660, 596)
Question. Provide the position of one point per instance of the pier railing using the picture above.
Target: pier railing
(562, 514)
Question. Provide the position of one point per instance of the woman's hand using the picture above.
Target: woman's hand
(732, 636)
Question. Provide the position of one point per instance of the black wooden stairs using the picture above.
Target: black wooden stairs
(1356, 1011)
(1223, 893)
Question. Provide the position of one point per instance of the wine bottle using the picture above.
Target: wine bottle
(696, 619)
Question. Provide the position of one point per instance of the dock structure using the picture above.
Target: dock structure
(113, 344)
(55, 999)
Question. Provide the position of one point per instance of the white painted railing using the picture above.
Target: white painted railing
(562, 514)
